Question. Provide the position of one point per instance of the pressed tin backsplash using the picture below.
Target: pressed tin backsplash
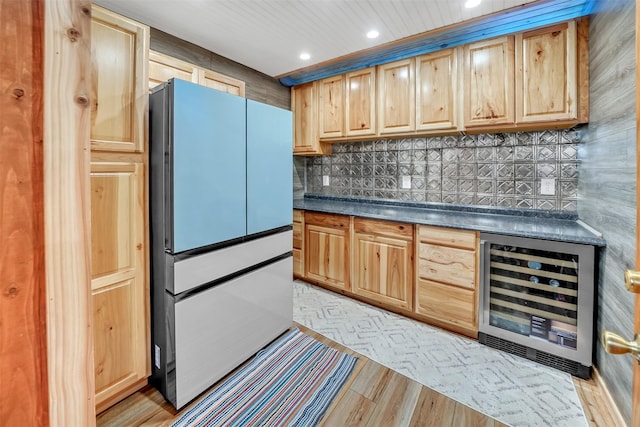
(502, 169)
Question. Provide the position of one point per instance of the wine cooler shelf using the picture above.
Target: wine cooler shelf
(539, 294)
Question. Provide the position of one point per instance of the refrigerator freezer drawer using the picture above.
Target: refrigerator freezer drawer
(195, 271)
(216, 330)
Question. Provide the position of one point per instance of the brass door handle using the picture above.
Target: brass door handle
(632, 281)
(615, 344)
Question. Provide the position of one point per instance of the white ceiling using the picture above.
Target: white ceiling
(269, 35)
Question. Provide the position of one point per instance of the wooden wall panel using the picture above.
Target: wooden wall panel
(67, 116)
(23, 352)
(259, 87)
(607, 180)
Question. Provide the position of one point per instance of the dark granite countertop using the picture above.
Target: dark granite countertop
(549, 225)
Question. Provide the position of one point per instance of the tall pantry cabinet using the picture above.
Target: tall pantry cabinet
(119, 205)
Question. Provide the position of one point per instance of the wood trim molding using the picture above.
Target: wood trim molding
(67, 64)
(23, 356)
(608, 399)
(635, 396)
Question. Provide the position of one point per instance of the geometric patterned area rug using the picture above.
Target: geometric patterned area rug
(290, 382)
(515, 391)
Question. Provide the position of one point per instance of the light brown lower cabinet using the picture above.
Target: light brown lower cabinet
(119, 289)
(447, 278)
(383, 262)
(424, 272)
(326, 249)
(298, 243)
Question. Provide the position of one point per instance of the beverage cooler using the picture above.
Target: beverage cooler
(537, 300)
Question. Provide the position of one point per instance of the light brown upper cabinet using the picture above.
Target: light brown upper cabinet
(119, 49)
(489, 82)
(396, 97)
(220, 82)
(546, 79)
(437, 90)
(304, 105)
(119, 205)
(331, 106)
(360, 102)
(163, 67)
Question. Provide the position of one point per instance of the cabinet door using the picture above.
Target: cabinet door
(448, 265)
(489, 82)
(383, 269)
(546, 83)
(436, 90)
(304, 105)
(331, 107)
(163, 67)
(120, 294)
(396, 97)
(326, 249)
(119, 82)
(360, 102)
(298, 243)
(220, 82)
(448, 306)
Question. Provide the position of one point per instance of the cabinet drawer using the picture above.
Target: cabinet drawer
(327, 220)
(396, 230)
(298, 263)
(447, 265)
(447, 236)
(298, 215)
(446, 303)
(297, 235)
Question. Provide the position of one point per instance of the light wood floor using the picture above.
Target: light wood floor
(374, 396)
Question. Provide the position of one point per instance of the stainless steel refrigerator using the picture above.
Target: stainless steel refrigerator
(221, 214)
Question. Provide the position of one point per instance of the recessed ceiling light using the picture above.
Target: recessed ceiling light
(372, 34)
(305, 56)
(471, 3)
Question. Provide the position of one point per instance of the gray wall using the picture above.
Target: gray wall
(258, 86)
(607, 180)
(501, 170)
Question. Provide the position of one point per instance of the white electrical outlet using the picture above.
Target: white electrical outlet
(406, 181)
(325, 180)
(548, 186)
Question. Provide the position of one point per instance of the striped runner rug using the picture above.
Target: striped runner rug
(291, 382)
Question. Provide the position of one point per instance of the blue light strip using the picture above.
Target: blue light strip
(534, 15)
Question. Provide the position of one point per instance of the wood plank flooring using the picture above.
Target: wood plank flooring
(373, 396)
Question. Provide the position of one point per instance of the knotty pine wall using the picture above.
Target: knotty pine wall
(23, 350)
(607, 180)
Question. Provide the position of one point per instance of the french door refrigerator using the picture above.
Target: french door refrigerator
(221, 218)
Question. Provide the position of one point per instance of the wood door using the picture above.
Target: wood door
(489, 82)
(383, 269)
(304, 105)
(547, 77)
(120, 295)
(396, 97)
(331, 105)
(119, 88)
(326, 249)
(437, 90)
(360, 102)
